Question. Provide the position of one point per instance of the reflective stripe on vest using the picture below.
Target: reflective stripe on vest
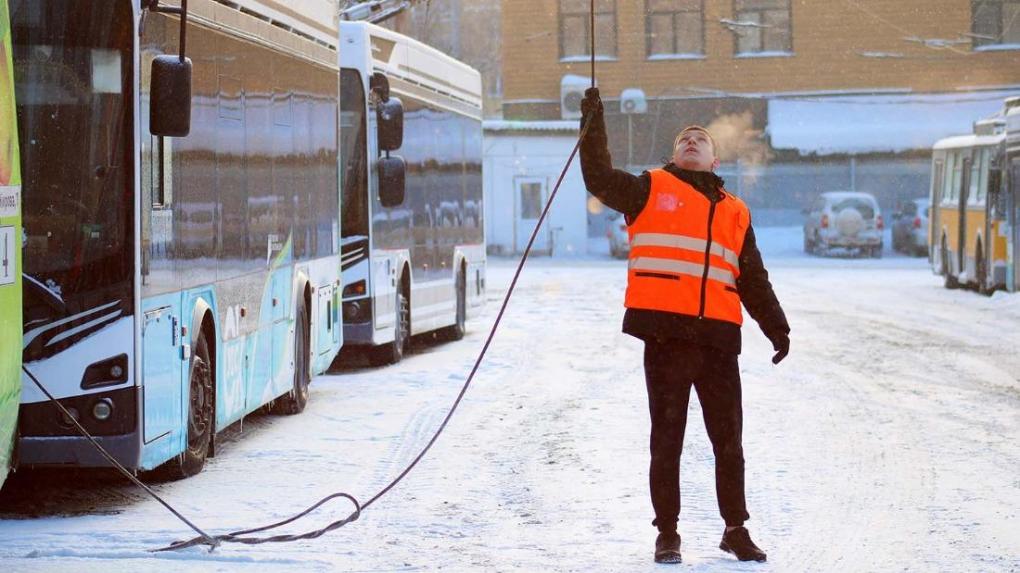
(682, 242)
(685, 251)
(653, 265)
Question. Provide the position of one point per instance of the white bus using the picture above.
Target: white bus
(413, 247)
(181, 254)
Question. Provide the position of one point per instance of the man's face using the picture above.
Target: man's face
(694, 152)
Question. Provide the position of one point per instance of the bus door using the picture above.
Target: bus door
(934, 200)
(1013, 215)
(961, 244)
(10, 252)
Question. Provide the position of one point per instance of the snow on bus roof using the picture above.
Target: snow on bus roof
(877, 123)
(406, 58)
(969, 140)
(315, 18)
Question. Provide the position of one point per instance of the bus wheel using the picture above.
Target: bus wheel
(394, 352)
(457, 330)
(200, 416)
(294, 402)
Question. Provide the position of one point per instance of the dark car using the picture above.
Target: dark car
(910, 227)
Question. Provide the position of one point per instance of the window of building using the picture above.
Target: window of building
(763, 26)
(996, 22)
(531, 200)
(575, 29)
(675, 27)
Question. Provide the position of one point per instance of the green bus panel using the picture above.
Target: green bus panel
(10, 252)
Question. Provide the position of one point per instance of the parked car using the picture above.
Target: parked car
(619, 242)
(910, 227)
(844, 221)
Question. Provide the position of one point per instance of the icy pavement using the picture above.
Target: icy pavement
(887, 441)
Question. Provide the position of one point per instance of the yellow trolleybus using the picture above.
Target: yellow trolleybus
(969, 227)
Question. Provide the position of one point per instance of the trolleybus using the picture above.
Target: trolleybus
(413, 262)
(175, 281)
(967, 221)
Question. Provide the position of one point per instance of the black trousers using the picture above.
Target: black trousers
(671, 369)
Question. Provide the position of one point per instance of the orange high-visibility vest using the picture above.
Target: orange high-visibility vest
(678, 262)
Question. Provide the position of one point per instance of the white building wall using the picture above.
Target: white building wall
(512, 155)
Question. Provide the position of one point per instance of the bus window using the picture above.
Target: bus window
(947, 178)
(975, 195)
(353, 149)
(983, 165)
(938, 177)
(956, 177)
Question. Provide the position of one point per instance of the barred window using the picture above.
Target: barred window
(767, 26)
(995, 22)
(575, 28)
(675, 27)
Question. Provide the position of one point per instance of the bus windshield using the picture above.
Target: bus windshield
(73, 71)
(352, 154)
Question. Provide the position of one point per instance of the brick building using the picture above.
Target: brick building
(808, 95)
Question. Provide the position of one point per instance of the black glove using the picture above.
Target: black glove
(780, 343)
(592, 103)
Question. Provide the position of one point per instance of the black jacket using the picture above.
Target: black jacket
(628, 194)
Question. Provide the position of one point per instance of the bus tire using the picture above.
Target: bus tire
(394, 351)
(294, 402)
(200, 415)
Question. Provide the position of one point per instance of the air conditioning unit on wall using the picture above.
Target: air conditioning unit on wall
(633, 100)
(571, 93)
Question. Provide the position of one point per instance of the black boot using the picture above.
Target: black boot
(738, 542)
(667, 547)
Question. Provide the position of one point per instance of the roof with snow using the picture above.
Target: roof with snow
(570, 126)
(848, 124)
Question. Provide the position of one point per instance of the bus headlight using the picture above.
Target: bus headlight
(102, 410)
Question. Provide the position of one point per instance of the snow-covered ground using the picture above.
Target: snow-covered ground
(888, 440)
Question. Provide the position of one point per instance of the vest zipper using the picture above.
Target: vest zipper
(708, 252)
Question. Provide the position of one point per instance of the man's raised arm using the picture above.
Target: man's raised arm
(616, 189)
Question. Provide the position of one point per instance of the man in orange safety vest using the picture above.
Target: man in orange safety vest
(693, 264)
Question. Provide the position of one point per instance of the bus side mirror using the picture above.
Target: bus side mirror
(170, 106)
(391, 181)
(391, 124)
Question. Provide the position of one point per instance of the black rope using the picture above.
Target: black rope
(205, 537)
(592, 14)
(236, 536)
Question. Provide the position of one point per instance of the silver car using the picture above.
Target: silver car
(910, 227)
(844, 222)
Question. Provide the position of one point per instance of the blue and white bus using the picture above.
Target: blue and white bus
(413, 261)
(174, 284)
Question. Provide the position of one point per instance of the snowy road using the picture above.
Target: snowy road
(888, 440)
